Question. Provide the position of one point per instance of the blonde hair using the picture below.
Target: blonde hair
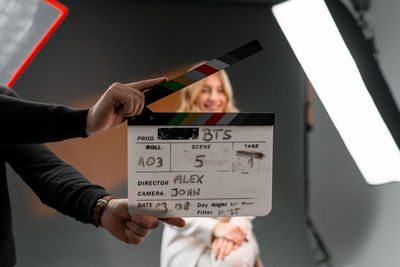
(189, 95)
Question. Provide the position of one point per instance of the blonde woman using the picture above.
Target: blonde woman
(210, 241)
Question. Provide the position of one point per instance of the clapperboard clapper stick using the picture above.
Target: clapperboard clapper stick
(200, 164)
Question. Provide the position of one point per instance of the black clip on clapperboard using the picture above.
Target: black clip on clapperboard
(200, 164)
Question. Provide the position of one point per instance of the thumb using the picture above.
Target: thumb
(175, 221)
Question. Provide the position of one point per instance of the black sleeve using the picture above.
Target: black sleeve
(56, 183)
(25, 122)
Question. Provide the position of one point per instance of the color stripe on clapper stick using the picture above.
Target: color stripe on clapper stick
(205, 118)
(199, 119)
(202, 72)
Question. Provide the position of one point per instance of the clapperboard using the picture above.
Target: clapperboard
(200, 164)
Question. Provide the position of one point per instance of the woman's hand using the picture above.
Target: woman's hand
(229, 231)
(222, 247)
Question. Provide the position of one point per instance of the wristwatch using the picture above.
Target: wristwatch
(99, 209)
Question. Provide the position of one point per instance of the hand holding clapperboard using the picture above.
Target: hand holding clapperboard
(200, 164)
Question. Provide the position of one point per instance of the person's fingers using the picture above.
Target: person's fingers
(125, 103)
(145, 84)
(238, 233)
(128, 101)
(175, 221)
(222, 251)
(235, 246)
(213, 245)
(235, 237)
(232, 237)
(145, 221)
(132, 101)
(132, 105)
(242, 230)
(228, 249)
(217, 247)
(140, 103)
(132, 238)
(140, 231)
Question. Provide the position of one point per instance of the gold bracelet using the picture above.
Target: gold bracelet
(99, 209)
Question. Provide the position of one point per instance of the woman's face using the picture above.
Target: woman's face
(212, 97)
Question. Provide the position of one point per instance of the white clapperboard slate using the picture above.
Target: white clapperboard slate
(200, 164)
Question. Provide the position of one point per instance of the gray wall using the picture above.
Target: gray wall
(360, 223)
(101, 42)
